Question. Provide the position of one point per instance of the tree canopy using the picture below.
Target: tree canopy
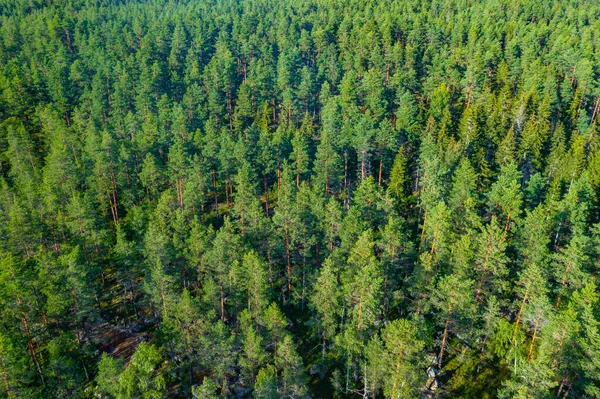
(294, 199)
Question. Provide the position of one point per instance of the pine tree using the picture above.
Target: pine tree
(299, 155)
(327, 160)
(151, 176)
(254, 356)
(217, 264)
(257, 284)
(400, 178)
(403, 359)
(290, 369)
(454, 302)
(491, 260)
(207, 390)
(246, 206)
(142, 376)
(109, 370)
(332, 222)
(463, 200)
(326, 301)
(266, 383)
(284, 220)
(505, 194)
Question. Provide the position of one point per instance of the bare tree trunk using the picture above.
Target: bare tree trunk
(560, 388)
(31, 348)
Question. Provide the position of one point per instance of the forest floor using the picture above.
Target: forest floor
(118, 342)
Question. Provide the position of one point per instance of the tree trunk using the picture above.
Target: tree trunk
(363, 164)
(324, 345)
(215, 192)
(114, 198)
(535, 328)
(560, 388)
(326, 176)
(266, 195)
(359, 324)
(222, 304)
(519, 315)
(303, 279)
(563, 282)
(398, 363)
(32, 348)
(278, 183)
(6, 384)
(289, 263)
(444, 337)
(345, 170)
(77, 334)
(227, 193)
(423, 231)
(560, 344)
(507, 224)
(164, 302)
(596, 109)
(485, 262)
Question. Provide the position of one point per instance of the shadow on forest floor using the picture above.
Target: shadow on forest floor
(117, 342)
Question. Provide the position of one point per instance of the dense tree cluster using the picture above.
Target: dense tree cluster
(308, 198)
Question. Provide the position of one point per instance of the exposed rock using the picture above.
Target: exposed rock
(432, 384)
(432, 371)
(427, 394)
(431, 359)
